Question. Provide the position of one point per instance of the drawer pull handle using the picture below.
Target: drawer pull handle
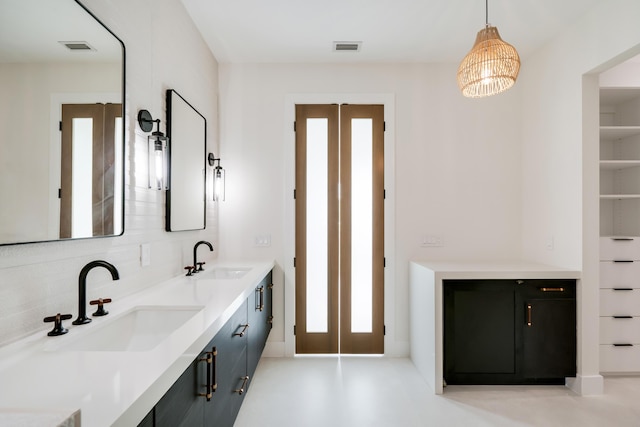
(622, 239)
(244, 384)
(261, 298)
(214, 373)
(622, 260)
(529, 314)
(242, 332)
(623, 345)
(552, 289)
(622, 289)
(209, 360)
(623, 317)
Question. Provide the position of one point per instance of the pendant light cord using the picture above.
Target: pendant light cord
(486, 13)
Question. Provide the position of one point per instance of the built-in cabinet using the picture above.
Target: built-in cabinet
(619, 229)
(509, 331)
(211, 390)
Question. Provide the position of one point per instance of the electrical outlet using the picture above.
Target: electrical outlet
(550, 243)
(145, 254)
(432, 241)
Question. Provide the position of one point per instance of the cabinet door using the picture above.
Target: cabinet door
(480, 334)
(549, 332)
(181, 405)
(260, 320)
(230, 366)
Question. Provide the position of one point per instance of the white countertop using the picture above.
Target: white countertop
(119, 388)
(509, 269)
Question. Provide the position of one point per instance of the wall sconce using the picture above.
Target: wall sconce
(218, 179)
(158, 145)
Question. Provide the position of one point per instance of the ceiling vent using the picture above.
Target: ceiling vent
(77, 46)
(347, 46)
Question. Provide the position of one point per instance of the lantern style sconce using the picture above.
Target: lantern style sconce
(158, 145)
(218, 179)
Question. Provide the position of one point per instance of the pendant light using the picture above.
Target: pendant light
(491, 66)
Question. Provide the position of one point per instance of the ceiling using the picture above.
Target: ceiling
(246, 31)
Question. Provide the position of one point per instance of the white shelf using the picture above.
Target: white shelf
(619, 196)
(608, 133)
(618, 164)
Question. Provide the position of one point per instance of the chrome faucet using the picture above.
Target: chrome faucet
(82, 288)
(197, 266)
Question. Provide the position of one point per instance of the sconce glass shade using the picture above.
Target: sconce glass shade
(218, 184)
(158, 164)
(491, 67)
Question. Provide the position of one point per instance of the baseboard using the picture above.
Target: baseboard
(586, 385)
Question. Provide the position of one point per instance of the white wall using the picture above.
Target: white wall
(164, 51)
(560, 151)
(457, 167)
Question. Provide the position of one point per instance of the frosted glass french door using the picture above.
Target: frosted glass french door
(339, 229)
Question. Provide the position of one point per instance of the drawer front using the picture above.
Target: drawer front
(620, 330)
(619, 303)
(619, 274)
(619, 359)
(619, 248)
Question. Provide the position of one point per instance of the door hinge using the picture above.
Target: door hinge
(294, 127)
(384, 329)
(384, 194)
(384, 126)
(294, 194)
(294, 329)
(384, 261)
(294, 262)
(60, 126)
(59, 193)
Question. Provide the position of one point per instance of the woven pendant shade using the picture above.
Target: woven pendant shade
(490, 67)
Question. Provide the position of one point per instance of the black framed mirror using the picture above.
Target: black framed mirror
(62, 76)
(187, 132)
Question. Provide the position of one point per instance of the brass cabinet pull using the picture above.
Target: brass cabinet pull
(214, 373)
(552, 289)
(242, 332)
(270, 286)
(244, 384)
(261, 298)
(270, 320)
(209, 360)
(528, 314)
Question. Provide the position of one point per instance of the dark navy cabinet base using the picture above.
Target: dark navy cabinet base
(509, 332)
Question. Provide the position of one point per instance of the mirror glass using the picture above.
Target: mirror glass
(187, 132)
(61, 130)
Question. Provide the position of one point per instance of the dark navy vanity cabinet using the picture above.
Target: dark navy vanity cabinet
(509, 331)
(211, 390)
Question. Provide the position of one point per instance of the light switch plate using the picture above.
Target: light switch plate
(262, 240)
(432, 241)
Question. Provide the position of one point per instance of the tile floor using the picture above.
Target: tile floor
(389, 392)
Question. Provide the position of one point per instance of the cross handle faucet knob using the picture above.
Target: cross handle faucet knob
(58, 329)
(100, 302)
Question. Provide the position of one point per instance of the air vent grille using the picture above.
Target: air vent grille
(347, 46)
(77, 46)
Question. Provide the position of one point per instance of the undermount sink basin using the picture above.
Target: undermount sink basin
(140, 329)
(228, 272)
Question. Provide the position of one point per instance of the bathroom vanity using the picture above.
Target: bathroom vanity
(493, 323)
(165, 347)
